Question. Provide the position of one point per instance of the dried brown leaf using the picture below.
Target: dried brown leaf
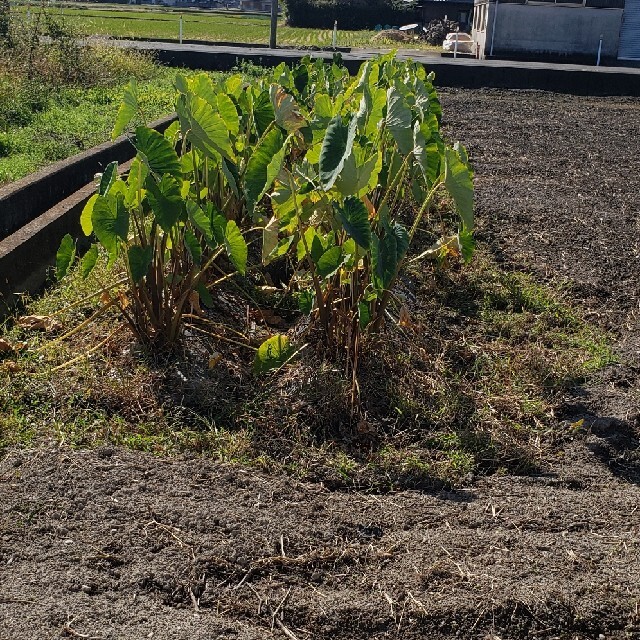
(39, 323)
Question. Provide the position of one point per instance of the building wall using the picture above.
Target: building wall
(549, 29)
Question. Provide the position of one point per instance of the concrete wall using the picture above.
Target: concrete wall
(552, 29)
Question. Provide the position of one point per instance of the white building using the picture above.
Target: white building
(574, 30)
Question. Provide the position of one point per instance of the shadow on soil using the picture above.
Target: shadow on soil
(615, 443)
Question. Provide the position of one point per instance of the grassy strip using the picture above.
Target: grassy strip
(61, 122)
(467, 386)
(216, 26)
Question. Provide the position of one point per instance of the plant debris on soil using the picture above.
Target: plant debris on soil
(488, 489)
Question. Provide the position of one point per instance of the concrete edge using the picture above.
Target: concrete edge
(230, 43)
(27, 256)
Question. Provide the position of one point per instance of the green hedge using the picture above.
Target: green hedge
(350, 14)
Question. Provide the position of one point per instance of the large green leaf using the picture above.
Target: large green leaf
(204, 294)
(89, 261)
(127, 110)
(311, 241)
(138, 173)
(330, 261)
(181, 83)
(65, 255)
(260, 172)
(230, 171)
(156, 152)
(166, 201)
(399, 121)
(139, 261)
(272, 354)
(376, 111)
(355, 220)
(301, 78)
(359, 174)
(236, 246)
(336, 148)
(218, 226)
(202, 85)
(209, 132)
(347, 182)
(364, 314)
(387, 253)
(458, 182)
(233, 85)
(426, 153)
(172, 132)
(108, 177)
(323, 108)
(467, 245)
(193, 246)
(228, 113)
(200, 220)
(263, 113)
(110, 219)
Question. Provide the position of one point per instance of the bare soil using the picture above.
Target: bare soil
(107, 543)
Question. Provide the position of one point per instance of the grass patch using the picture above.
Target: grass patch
(70, 120)
(58, 98)
(468, 388)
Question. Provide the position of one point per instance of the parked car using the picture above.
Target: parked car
(465, 42)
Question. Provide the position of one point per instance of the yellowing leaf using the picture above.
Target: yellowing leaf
(286, 110)
(215, 359)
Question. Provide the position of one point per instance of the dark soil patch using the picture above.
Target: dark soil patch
(558, 184)
(115, 544)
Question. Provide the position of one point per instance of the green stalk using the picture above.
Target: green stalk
(322, 309)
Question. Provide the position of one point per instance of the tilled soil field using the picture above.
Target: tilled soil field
(114, 544)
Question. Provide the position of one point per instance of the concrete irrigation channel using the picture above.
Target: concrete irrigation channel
(36, 211)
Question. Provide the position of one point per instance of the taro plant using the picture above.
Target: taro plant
(348, 204)
(338, 172)
(187, 199)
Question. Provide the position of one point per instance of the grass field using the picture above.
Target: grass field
(122, 22)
